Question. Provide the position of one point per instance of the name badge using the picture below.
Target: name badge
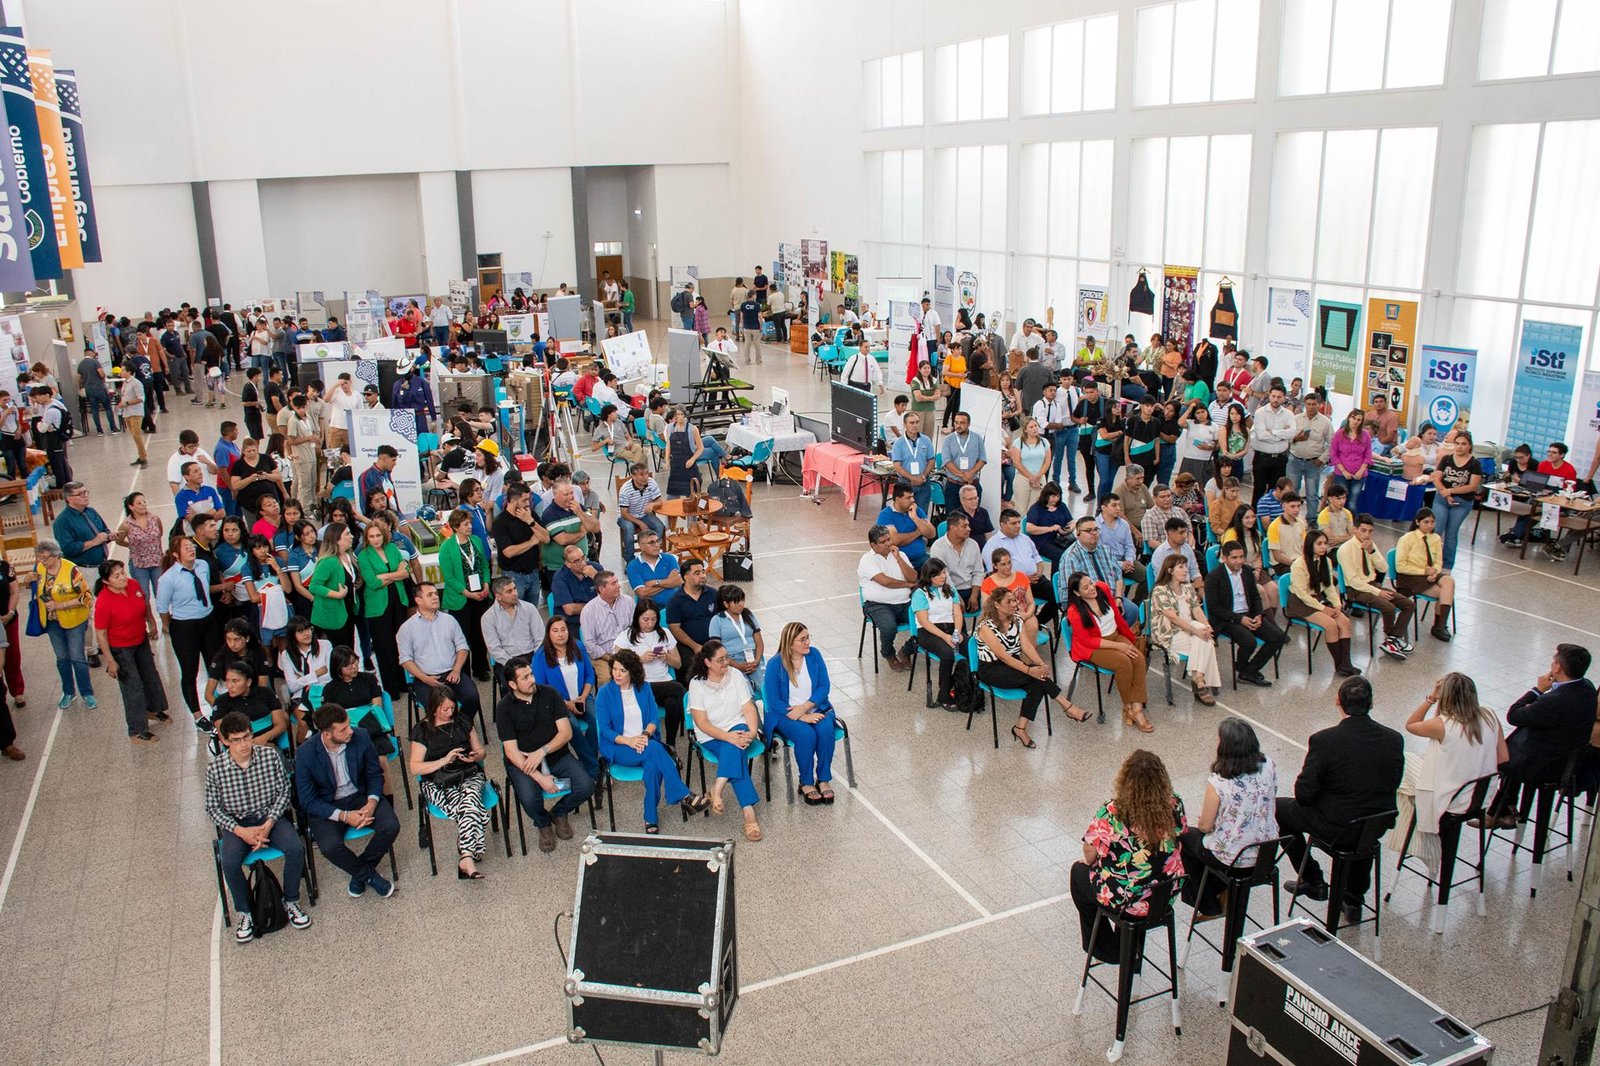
(914, 466)
(966, 463)
(474, 583)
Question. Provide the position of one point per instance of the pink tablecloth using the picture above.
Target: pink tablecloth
(838, 464)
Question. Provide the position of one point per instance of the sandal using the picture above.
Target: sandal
(695, 804)
(1023, 738)
(1137, 720)
(463, 875)
(752, 831)
(827, 793)
(652, 829)
(1070, 707)
(715, 800)
(810, 794)
(1204, 696)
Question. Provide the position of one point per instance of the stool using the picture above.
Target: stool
(441, 500)
(1345, 860)
(1130, 933)
(1541, 799)
(1237, 881)
(1449, 842)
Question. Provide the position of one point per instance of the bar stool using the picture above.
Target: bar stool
(1542, 799)
(1130, 933)
(1345, 860)
(1449, 842)
(1237, 881)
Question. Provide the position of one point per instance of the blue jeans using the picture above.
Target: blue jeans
(531, 797)
(715, 453)
(659, 771)
(1449, 520)
(813, 746)
(1064, 446)
(1008, 481)
(1352, 488)
(98, 403)
(441, 336)
(1105, 467)
(629, 531)
(329, 836)
(733, 766)
(1307, 477)
(627, 321)
(687, 321)
(1164, 465)
(527, 585)
(71, 662)
(147, 577)
(283, 837)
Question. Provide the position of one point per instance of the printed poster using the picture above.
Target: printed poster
(460, 298)
(852, 282)
(967, 292)
(1587, 432)
(14, 361)
(371, 428)
(1391, 338)
(519, 329)
(681, 276)
(312, 308)
(1092, 313)
(836, 271)
(1180, 287)
(1287, 344)
(27, 157)
(1336, 338)
(1546, 378)
(793, 278)
(512, 280)
(1444, 396)
(814, 261)
(77, 164)
(47, 105)
(943, 294)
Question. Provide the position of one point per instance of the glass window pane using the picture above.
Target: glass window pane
(1357, 62)
(873, 196)
(969, 96)
(1491, 328)
(871, 94)
(1419, 33)
(993, 234)
(1094, 218)
(1564, 245)
(991, 282)
(1031, 283)
(1292, 220)
(1062, 294)
(913, 195)
(1147, 199)
(1346, 214)
(969, 193)
(893, 197)
(1227, 202)
(1100, 63)
(1064, 192)
(1036, 71)
(1194, 24)
(1033, 194)
(1066, 83)
(891, 91)
(1186, 200)
(1153, 71)
(944, 84)
(1516, 38)
(1494, 220)
(996, 77)
(944, 197)
(911, 89)
(1577, 38)
(1402, 207)
(1237, 32)
(1303, 61)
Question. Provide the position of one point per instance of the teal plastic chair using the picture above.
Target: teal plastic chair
(428, 812)
(997, 692)
(260, 855)
(757, 458)
(641, 431)
(866, 624)
(1424, 601)
(384, 716)
(841, 735)
(1314, 632)
(1167, 658)
(754, 752)
(1213, 556)
(1357, 610)
(919, 653)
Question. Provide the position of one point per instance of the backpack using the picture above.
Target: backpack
(266, 900)
(680, 303)
(67, 429)
(730, 494)
(964, 687)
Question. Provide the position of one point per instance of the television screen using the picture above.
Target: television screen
(855, 417)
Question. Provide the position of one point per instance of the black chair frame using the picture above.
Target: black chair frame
(1371, 830)
(1131, 933)
(1237, 881)
(1449, 843)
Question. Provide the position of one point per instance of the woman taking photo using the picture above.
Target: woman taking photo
(626, 716)
(140, 532)
(563, 665)
(62, 607)
(798, 710)
(1314, 597)
(736, 626)
(725, 724)
(447, 757)
(1456, 478)
(384, 601)
(332, 585)
(657, 650)
(1178, 623)
(1130, 845)
(1240, 809)
(1030, 457)
(1048, 524)
(1100, 635)
(939, 622)
(1350, 456)
(1419, 570)
(127, 625)
(1197, 445)
(1007, 660)
(1465, 743)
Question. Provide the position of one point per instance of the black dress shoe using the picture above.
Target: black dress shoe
(1255, 679)
(1314, 890)
(1352, 911)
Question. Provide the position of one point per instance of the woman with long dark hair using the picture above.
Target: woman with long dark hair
(564, 665)
(936, 608)
(1006, 660)
(1100, 635)
(384, 602)
(629, 724)
(658, 653)
(1240, 810)
(1314, 597)
(447, 756)
(333, 586)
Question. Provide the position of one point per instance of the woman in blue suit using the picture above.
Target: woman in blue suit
(629, 726)
(563, 665)
(798, 710)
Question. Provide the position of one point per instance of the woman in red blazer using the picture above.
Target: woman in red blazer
(1101, 636)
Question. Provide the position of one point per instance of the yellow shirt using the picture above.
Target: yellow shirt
(1300, 585)
(1413, 557)
(1356, 577)
(68, 587)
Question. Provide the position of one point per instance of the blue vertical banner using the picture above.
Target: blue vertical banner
(1546, 380)
(1445, 393)
(26, 159)
(78, 164)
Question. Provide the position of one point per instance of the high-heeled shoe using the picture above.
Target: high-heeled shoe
(462, 875)
(1023, 738)
(1083, 716)
(1137, 720)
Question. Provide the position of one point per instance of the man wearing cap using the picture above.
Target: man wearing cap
(412, 393)
(369, 399)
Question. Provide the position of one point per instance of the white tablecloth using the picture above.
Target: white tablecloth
(747, 438)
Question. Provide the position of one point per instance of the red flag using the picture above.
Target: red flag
(916, 357)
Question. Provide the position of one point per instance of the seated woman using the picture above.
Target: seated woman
(1419, 453)
(1130, 845)
(1178, 623)
(1100, 635)
(447, 757)
(1005, 576)
(239, 644)
(1314, 597)
(1006, 659)
(629, 723)
(1419, 570)
(305, 661)
(937, 610)
(1049, 524)
(736, 626)
(1240, 809)
(798, 710)
(1224, 506)
(563, 665)
(725, 724)
(1465, 742)
(1247, 531)
(657, 649)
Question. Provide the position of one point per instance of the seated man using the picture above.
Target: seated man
(1176, 542)
(1116, 534)
(653, 574)
(603, 620)
(573, 585)
(1364, 567)
(433, 651)
(247, 796)
(1088, 555)
(689, 614)
(511, 626)
(1351, 771)
(960, 553)
(911, 529)
(1286, 534)
(887, 578)
(340, 785)
(243, 696)
(536, 734)
(982, 528)
(1233, 606)
(637, 503)
(1550, 721)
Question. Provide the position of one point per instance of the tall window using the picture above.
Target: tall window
(1071, 66)
(971, 80)
(891, 91)
(892, 213)
(1064, 225)
(1341, 46)
(1195, 51)
(1535, 38)
(969, 216)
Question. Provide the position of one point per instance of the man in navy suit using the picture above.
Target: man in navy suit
(1552, 720)
(340, 785)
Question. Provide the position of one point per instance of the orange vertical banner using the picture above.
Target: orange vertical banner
(63, 212)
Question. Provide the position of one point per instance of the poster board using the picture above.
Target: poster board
(814, 261)
(370, 429)
(512, 280)
(983, 407)
(1335, 339)
(628, 355)
(566, 317)
(1179, 285)
(1391, 338)
(319, 351)
(681, 276)
(377, 348)
(793, 275)
(1586, 434)
(460, 298)
(519, 329)
(943, 294)
(399, 305)
(312, 306)
(1287, 344)
(902, 327)
(1548, 355)
(1444, 395)
(14, 358)
(683, 364)
(1092, 313)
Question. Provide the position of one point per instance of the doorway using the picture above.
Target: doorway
(607, 260)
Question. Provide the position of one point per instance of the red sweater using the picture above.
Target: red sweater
(1086, 633)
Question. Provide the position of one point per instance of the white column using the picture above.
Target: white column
(241, 242)
(441, 230)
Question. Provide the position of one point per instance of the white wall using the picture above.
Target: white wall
(694, 214)
(344, 233)
(608, 207)
(513, 210)
(241, 242)
(151, 257)
(441, 231)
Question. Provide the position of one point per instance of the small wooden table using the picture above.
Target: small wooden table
(678, 514)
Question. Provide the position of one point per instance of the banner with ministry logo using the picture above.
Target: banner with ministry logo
(1587, 433)
(1541, 393)
(1445, 394)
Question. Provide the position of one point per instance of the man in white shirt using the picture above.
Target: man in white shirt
(1308, 451)
(603, 617)
(1053, 412)
(440, 316)
(727, 352)
(189, 451)
(894, 421)
(932, 327)
(887, 577)
(861, 371)
(1270, 434)
(843, 316)
(1027, 339)
(341, 401)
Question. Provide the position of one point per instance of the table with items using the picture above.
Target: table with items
(856, 473)
(690, 531)
(747, 437)
(1575, 511)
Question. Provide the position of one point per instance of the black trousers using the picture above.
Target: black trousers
(1035, 689)
(470, 617)
(1265, 470)
(669, 697)
(946, 655)
(140, 684)
(194, 641)
(1083, 895)
(1296, 821)
(8, 728)
(384, 629)
(1253, 651)
(343, 637)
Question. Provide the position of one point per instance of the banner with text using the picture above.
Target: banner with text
(312, 306)
(1336, 338)
(1288, 339)
(814, 262)
(1587, 434)
(460, 298)
(1445, 395)
(47, 106)
(78, 164)
(943, 295)
(14, 362)
(27, 155)
(903, 317)
(1391, 335)
(371, 428)
(1179, 285)
(1092, 313)
(1546, 377)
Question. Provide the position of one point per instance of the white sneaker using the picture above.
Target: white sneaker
(297, 917)
(246, 931)
(1391, 647)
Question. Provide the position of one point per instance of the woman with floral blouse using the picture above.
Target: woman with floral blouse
(1130, 845)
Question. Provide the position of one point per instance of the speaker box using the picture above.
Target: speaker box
(654, 959)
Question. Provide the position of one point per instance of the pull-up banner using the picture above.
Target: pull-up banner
(27, 156)
(78, 164)
(63, 216)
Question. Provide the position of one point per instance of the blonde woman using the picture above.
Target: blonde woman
(1465, 743)
(798, 710)
(1030, 458)
(1178, 623)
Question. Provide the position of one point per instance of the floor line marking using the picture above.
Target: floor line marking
(1527, 614)
(809, 548)
(514, 1053)
(27, 811)
(1525, 568)
(216, 985)
(804, 603)
(1264, 727)
(972, 900)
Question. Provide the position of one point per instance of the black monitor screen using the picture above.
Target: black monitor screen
(855, 417)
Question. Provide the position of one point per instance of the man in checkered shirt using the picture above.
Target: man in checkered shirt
(247, 795)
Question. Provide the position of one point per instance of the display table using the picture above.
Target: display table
(1580, 515)
(746, 437)
(844, 466)
(1377, 501)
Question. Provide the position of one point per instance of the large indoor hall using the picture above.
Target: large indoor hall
(493, 543)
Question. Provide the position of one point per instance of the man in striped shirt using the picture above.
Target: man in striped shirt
(637, 504)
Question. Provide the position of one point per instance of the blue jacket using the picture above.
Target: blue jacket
(313, 772)
(775, 690)
(546, 674)
(72, 527)
(608, 715)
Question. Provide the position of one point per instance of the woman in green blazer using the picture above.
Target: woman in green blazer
(384, 601)
(333, 581)
(464, 568)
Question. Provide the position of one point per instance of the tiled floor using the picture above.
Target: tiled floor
(921, 918)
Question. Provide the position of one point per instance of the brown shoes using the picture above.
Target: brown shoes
(547, 838)
(562, 826)
(14, 753)
(900, 663)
